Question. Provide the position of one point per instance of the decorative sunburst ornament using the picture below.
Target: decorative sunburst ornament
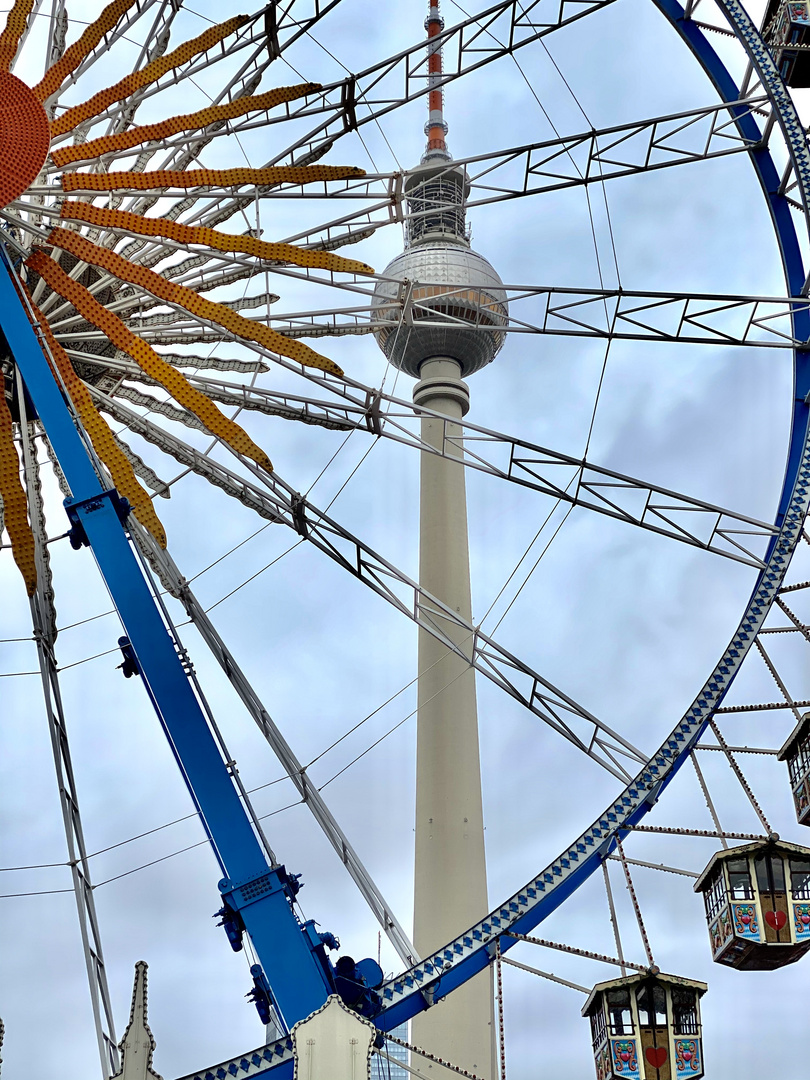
(75, 286)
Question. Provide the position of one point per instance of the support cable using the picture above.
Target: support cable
(657, 866)
(501, 1034)
(206, 842)
(601, 957)
(797, 623)
(545, 974)
(739, 774)
(706, 833)
(776, 677)
(614, 922)
(636, 907)
(707, 796)
(430, 1057)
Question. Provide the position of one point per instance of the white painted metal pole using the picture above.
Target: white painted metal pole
(450, 884)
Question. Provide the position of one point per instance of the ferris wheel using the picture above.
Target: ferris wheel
(192, 207)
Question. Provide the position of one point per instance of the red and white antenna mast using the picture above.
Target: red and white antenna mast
(436, 127)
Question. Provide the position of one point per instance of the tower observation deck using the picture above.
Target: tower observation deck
(455, 297)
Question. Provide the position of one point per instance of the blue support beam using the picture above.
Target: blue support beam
(292, 956)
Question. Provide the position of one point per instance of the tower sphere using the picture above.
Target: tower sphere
(454, 299)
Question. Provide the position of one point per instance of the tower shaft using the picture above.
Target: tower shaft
(450, 889)
(459, 307)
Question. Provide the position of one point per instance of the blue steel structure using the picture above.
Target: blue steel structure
(258, 893)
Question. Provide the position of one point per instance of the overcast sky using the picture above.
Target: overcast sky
(628, 623)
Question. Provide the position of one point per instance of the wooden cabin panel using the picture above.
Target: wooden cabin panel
(734, 953)
(776, 918)
(655, 1053)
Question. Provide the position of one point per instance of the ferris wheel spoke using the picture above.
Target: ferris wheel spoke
(498, 31)
(287, 406)
(576, 481)
(270, 35)
(29, 24)
(263, 34)
(612, 314)
(471, 42)
(123, 112)
(62, 318)
(276, 501)
(121, 31)
(118, 114)
(646, 145)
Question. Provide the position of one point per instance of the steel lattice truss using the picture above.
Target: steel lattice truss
(615, 314)
(744, 122)
(572, 480)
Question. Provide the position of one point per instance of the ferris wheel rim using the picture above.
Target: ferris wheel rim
(797, 468)
(516, 914)
(473, 951)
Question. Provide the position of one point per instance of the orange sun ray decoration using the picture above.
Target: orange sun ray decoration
(76, 281)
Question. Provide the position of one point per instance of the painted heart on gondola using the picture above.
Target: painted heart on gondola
(775, 919)
(656, 1055)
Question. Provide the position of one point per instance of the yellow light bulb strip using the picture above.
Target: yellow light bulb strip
(15, 503)
(198, 234)
(187, 122)
(193, 178)
(189, 300)
(147, 75)
(15, 27)
(146, 358)
(79, 50)
(104, 444)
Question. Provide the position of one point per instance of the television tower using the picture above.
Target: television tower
(457, 306)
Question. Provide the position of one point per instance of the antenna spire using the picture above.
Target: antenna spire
(436, 127)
